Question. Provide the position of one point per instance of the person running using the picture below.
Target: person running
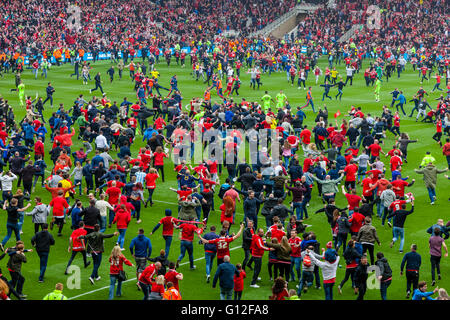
(116, 260)
(77, 245)
(436, 242)
(95, 242)
(412, 262)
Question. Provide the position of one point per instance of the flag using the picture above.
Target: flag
(337, 114)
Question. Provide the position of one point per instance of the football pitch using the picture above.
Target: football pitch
(194, 286)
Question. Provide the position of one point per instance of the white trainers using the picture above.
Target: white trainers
(259, 278)
(91, 280)
(254, 286)
(98, 278)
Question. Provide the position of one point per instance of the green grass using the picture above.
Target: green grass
(193, 286)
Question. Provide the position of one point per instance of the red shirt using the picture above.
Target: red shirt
(375, 149)
(223, 249)
(171, 276)
(78, 244)
(356, 221)
(184, 193)
(296, 251)
(366, 187)
(58, 204)
(395, 162)
(187, 231)
(150, 179)
(353, 200)
(307, 163)
(397, 205)
(351, 171)
(399, 187)
(257, 246)
(305, 135)
(167, 223)
(158, 157)
(113, 195)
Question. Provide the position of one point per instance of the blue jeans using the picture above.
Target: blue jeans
(79, 187)
(43, 258)
(399, 233)
(168, 240)
(431, 193)
(383, 289)
(103, 224)
(307, 279)
(209, 258)
(295, 264)
(121, 238)
(328, 288)
(21, 219)
(226, 293)
(297, 207)
(113, 279)
(97, 259)
(10, 227)
(187, 245)
(304, 210)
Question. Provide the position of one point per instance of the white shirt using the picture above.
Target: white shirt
(103, 205)
(101, 142)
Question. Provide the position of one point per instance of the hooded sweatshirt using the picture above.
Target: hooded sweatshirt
(122, 219)
(39, 213)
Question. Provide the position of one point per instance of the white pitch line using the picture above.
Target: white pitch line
(134, 279)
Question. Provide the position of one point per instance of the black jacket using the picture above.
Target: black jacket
(42, 241)
(91, 216)
(246, 239)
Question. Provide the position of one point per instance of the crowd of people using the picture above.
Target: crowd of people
(347, 153)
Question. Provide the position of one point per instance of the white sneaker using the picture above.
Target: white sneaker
(259, 278)
(98, 278)
(91, 280)
(122, 249)
(254, 286)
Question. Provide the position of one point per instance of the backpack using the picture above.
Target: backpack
(222, 192)
(307, 261)
(387, 270)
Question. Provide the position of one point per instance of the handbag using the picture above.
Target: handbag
(122, 276)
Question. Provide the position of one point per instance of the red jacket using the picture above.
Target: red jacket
(257, 246)
(39, 148)
(116, 265)
(122, 219)
(356, 220)
(446, 149)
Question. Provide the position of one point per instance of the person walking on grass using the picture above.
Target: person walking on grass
(352, 257)
(77, 245)
(367, 236)
(116, 261)
(385, 276)
(436, 242)
(412, 262)
(141, 250)
(95, 242)
(399, 221)
(430, 173)
(42, 241)
(12, 222)
(361, 275)
(225, 275)
(329, 268)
